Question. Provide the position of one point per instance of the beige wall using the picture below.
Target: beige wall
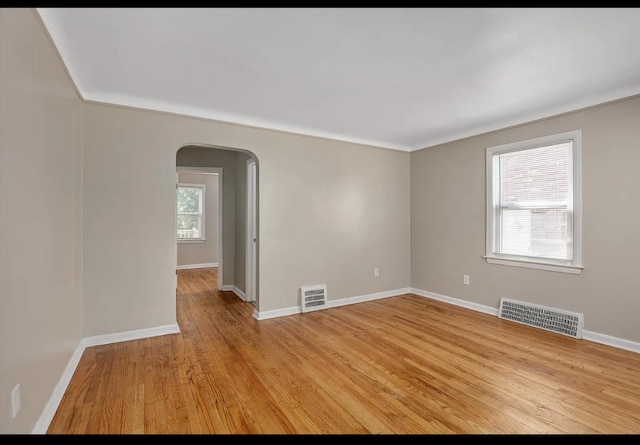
(329, 213)
(206, 252)
(448, 222)
(40, 218)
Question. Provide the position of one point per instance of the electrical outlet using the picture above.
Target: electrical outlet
(376, 272)
(15, 400)
(466, 280)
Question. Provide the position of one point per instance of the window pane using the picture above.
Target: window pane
(534, 207)
(541, 233)
(536, 176)
(189, 226)
(189, 199)
(189, 205)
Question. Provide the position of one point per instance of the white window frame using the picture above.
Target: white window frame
(573, 266)
(202, 213)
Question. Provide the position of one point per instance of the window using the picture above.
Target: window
(190, 217)
(533, 203)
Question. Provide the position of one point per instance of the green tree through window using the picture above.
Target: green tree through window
(190, 201)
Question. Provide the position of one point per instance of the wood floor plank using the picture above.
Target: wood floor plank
(399, 365)
(75, 415)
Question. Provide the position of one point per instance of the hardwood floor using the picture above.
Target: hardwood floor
(400, 365)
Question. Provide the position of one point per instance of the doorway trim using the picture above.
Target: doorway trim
(252, 232)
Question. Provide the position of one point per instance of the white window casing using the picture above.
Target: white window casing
(534, 203)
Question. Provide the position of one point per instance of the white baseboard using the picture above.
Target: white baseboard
(333, 303)
(130, 335)
(604, 339)
(456, 301)
(367, 297)
(234, 289)
(42, 425)
(608, 340)
(264, 315)
(196, 266)
(239, 293)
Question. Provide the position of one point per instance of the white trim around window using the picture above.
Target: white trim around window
(200, 238)
(495, 252)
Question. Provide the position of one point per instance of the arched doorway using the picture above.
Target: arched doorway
(238, 213)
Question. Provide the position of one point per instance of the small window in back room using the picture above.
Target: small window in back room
(533, 203)
(190, 217)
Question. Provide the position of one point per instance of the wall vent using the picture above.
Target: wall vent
(313, 297)
(543, 317)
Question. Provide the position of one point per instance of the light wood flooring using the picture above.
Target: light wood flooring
(400, 365)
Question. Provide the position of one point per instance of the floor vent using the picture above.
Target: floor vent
(547, 318)
(313, 297)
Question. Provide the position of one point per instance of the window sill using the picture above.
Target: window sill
(191, 241)
(576, 270)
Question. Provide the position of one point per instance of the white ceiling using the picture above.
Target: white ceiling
(398, 78)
